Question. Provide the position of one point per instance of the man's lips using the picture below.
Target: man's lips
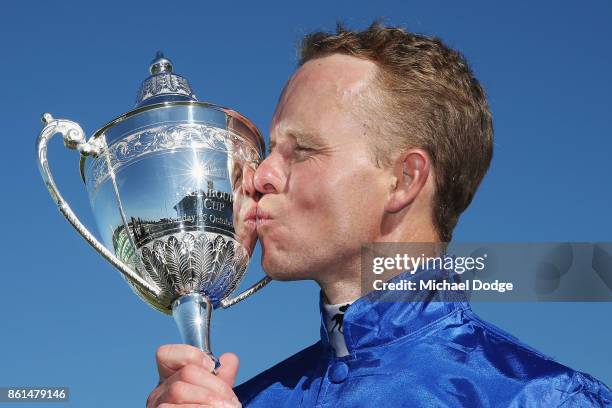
(251, 216)
(256, 217)
(262, 214)
(263, 217)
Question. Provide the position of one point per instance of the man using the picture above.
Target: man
(379, 136)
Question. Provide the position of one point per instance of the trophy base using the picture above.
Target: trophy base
(192, 315)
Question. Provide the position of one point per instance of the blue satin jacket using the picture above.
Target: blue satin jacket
(435, 352)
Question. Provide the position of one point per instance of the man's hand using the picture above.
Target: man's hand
(186, 379)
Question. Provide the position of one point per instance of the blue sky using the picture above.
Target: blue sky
(69, 319)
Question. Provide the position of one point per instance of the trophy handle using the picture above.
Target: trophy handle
(74, 138)
(225, 303)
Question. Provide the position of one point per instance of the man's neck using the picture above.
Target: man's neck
(343, 291)
(346, 286)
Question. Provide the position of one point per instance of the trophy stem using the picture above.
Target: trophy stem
(192, 315)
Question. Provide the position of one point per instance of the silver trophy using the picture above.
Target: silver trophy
(165, 186)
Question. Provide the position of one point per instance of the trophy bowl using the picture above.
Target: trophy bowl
(165, 187)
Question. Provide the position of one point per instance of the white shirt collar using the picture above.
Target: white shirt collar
(334, 317)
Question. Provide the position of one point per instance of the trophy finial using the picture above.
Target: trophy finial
(163, 85)
(160, 64)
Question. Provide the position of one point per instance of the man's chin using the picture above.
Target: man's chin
(287, 277)
(281, 272)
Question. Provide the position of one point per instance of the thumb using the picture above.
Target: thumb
(229, 368)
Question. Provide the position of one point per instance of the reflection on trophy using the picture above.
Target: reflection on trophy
(164, 182)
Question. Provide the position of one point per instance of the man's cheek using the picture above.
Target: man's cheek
(312, 201)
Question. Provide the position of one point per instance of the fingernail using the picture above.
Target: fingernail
(208, 363)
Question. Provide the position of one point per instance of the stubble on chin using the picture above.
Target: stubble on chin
(283, 269)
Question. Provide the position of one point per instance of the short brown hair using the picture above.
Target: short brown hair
(432, 101)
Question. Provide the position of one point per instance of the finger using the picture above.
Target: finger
(229, 368)
(180, 392)
(201, 377)
(209, 362)
(172, 357)
(152, 398)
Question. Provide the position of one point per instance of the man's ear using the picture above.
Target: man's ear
(410, 173)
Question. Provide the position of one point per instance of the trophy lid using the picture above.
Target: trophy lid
(163, 85)
(165, 97)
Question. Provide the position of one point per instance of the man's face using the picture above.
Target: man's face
(322, 195)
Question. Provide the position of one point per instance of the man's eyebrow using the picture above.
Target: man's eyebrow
(305, 137)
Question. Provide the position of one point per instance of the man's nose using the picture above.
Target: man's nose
(269, 176)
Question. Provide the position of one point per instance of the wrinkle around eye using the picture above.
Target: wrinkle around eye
(310, 155)
(304, 151)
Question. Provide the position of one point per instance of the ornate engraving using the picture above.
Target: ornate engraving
(74, 137)
(165, 83)
(168, 137)
(206, 263)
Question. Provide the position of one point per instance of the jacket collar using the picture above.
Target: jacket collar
(381, 317)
